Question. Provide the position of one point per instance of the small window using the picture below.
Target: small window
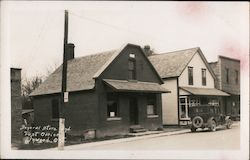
(194, 102)
(55, 108)
(151, 105)
(190, 76)
(132, 55)
(112, 105)
(227, 75)
(204, 79)
(236, 76)
(213, 102)
(131, 69)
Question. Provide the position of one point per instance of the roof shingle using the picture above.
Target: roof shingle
(172, 64)
(80, 73)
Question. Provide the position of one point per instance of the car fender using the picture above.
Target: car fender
(209, 121)
(227, 117)
(228, 122)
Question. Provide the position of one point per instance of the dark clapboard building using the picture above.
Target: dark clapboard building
(110, 93)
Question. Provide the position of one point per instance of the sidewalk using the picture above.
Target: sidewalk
(168, 131)
(138, 136)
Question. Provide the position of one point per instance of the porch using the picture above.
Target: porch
(133, 105)
(190, 96)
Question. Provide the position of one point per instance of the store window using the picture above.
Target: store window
(151, 105)
(213, 102)
(112, 105)
(183, 104)
(194, 102)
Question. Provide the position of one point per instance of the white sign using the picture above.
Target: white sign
(66, 96)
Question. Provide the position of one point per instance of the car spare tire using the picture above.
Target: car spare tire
(197, 122)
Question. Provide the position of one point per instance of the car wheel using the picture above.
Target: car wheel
(213, 126)
(229, 123)
(197, 122)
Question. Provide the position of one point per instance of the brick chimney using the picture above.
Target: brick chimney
(70, 54)
(147, 50)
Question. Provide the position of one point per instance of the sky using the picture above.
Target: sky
(34, 30)
(31, 36)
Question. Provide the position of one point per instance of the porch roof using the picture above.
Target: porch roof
(135, 86)
(24, 111)
(205, 91)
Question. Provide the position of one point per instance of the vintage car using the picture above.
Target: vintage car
(208, 116)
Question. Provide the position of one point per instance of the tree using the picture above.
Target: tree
(28, 86)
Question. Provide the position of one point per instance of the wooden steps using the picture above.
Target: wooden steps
(137, 129)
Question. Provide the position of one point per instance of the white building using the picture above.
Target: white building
(187, 74)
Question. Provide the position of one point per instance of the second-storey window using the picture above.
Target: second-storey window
(227, 75)
(203, 75)
(236, 76)
(131, 69)
(190, 76)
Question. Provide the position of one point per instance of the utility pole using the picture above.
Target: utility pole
(64, 94)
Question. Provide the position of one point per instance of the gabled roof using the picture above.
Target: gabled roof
(81, 72)
(172, 64)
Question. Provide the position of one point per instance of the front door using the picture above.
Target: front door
(133, 111)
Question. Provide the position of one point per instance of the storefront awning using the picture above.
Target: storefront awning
(204, 91)
(135, 86)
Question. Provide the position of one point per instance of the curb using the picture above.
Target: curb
(91, 144)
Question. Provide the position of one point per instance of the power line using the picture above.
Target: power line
(41, 33)
(114, 26)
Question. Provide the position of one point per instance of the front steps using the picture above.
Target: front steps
(137, 129)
